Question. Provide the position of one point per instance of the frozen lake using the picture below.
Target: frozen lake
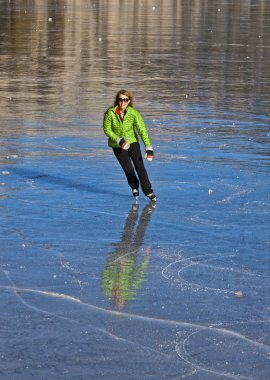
(93, 286)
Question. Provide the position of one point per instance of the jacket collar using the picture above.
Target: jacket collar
(115, 108)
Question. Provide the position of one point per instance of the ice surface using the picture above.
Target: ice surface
(93, 285)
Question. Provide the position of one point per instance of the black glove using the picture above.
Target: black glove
(124, 144)
(149, 154)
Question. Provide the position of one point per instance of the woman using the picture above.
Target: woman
(121, 124)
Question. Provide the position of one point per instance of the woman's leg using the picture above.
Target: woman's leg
(124, 159)
(136, 156)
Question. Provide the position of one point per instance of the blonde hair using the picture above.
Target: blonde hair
(127, 94)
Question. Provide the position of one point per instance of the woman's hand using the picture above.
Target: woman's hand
(149, 153)
(124, 144)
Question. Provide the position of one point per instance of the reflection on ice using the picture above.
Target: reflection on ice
(125, 270)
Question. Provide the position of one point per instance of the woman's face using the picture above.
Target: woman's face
(123, 101)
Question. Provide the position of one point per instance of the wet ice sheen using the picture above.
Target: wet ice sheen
(91, 284)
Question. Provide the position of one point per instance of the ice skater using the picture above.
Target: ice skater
(122, 124)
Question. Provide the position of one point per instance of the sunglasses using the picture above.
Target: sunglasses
(123, 100)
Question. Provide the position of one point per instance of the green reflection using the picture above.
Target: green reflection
(126, 265)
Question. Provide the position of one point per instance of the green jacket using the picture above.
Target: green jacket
(132, 123)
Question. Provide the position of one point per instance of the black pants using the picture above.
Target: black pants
(130, 159)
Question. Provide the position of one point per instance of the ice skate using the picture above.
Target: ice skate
(152, 197)
(135, 193)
